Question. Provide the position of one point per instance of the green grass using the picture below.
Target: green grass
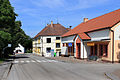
(2, 60)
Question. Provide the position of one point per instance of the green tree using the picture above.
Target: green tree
(10, 29)
(4, 39)
(7, 16)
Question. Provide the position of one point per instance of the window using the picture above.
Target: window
(57, 45)
(104, 50)
(48, 40)
(57, 38)
(95, 49)
(48, 50)
(101, 50)
(91, 50)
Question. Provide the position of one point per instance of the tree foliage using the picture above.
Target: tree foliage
(10, 29)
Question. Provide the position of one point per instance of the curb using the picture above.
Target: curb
(6, 73)
(111, 76)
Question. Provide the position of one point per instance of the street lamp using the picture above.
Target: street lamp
(9, 45)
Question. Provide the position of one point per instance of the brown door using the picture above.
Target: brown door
(79, 50)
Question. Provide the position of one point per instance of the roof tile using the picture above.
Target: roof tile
(104, 21)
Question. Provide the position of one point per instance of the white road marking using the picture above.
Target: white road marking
(38, 61)
(22, 61)
(16, 61)
(49, 60)
(43, 61)
(54, 61)
(27, 61)
(32, 61)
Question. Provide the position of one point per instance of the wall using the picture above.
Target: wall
(117, 41)
(116, 29)
(86, 50)
(68, 39)
(52, 45)
(58, 41)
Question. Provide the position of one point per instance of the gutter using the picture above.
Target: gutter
(83, 50)
(113, 47)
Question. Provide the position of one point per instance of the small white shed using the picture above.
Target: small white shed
(19, 49)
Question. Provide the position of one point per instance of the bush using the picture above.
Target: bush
(93, 58)
(28, 51)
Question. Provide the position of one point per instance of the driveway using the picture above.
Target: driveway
(30, 67)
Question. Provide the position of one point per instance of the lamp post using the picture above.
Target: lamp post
(9, 45)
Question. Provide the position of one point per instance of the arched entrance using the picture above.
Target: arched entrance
(78, 48)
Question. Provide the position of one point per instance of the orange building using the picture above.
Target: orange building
(99, 37)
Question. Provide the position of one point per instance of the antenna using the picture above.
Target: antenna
(57, 21)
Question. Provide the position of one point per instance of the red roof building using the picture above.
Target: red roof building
(48, 41)
(98, 37)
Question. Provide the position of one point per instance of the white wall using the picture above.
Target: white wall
(51, 45)
(117, 33)
(86, 50)
(98, 35)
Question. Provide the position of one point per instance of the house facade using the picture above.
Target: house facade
(19, 50)
(96, 37)
(48, 41)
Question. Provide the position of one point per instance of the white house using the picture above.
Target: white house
(20, 49)
(48, 41)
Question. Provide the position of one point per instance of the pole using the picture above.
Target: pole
(113, 47)
(3, 52)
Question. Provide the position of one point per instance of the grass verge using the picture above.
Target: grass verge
(2, 60)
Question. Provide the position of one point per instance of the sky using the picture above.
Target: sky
(36, 14)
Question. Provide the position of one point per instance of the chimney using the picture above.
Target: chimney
(70, 27)
(47, 24)
(51, 23)
(85, 20)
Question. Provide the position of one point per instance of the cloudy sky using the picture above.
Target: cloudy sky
(35, 14)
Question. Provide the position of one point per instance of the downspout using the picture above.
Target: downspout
(83, 50)
(113, 47)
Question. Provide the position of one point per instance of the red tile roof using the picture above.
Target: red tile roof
(54, 30)
(84, 36)
(104, 21)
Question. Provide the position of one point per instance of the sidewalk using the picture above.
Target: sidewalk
(74, 60)
(4, 69)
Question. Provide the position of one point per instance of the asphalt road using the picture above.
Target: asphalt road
(29, 67)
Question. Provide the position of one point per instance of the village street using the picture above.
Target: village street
(30, 67)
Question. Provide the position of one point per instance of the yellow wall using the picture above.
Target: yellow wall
(116, 47)
(58, 49)
(38, 40)
(110, 46)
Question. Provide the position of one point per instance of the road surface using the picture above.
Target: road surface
(30, 67)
